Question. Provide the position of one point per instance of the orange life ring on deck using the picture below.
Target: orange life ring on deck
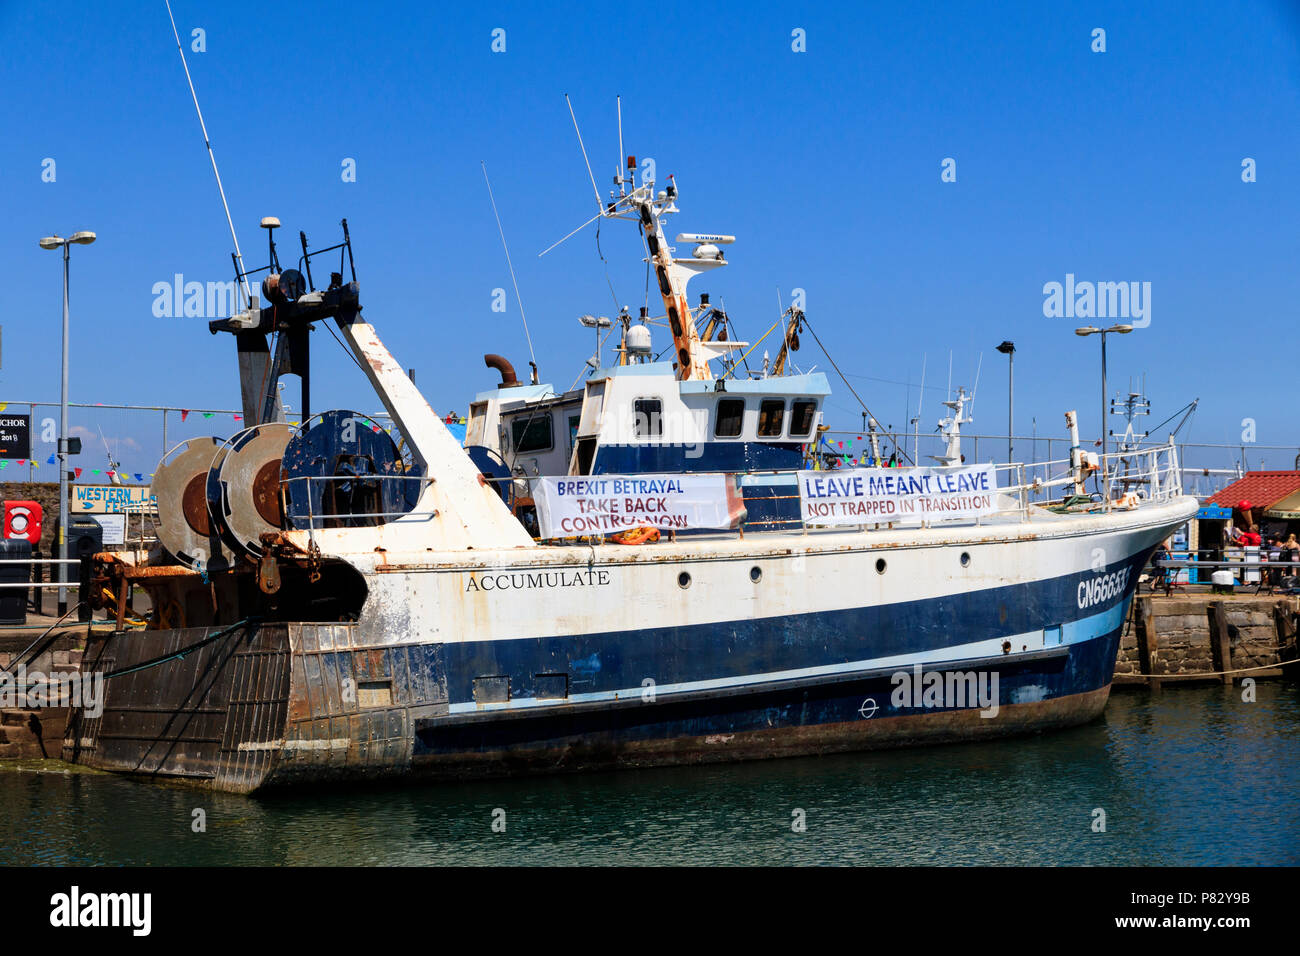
(645, 535)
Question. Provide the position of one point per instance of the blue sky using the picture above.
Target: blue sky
(1115, 166)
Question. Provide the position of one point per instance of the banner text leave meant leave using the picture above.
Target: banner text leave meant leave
(850, 496)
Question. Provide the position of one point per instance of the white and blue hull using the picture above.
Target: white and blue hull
(565, 658)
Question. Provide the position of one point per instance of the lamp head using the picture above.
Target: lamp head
(51, 242)
(1087, 330)
(1006, 348)
(1121, 329)
(83, 238)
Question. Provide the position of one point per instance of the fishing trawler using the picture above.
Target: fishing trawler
(335, 605)
(642, 415)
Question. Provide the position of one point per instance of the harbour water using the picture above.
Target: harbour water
(1189, 776)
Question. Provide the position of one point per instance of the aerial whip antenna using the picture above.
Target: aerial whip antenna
(622, 191)
(916, 422)
(599, 205)
(239, 259)
(532, 355)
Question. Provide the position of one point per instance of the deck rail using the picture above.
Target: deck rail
(1121, 480)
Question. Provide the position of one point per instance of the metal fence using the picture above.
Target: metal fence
(131, 439)
(127, 439)
(1206, 467)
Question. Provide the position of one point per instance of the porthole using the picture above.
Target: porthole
(683, 580)
(880, 565)
(965, 559)
(755, 574)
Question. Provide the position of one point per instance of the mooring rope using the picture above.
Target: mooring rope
(180, 655)
(1238, 670)
(8, 668)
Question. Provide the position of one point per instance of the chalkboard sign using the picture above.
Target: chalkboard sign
(15, 436)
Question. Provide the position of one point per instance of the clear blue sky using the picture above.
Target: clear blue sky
(1123, 165)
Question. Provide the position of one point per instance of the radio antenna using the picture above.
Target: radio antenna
(511, 266)
(239, 259)
(599, 205)
(622, 191)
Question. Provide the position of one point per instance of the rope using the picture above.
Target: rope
(14, 663)
(897, 447)
(760, 341)
(1238, 670)
(180, 655)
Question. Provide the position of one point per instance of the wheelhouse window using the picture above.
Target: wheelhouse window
(532, 433)
(648, 417)
(730, 417)
(771, 418)
(802, 414)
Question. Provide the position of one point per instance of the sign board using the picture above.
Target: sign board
(114, 526)
(112, 499)
(608, 504)
(15, 436)
(854, 496)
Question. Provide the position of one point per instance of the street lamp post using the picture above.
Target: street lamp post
(1093, 330)
(1009, 350)
(82, 238)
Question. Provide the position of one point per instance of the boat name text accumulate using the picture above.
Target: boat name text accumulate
(525, 580)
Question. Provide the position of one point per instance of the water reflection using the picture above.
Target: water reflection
(1188, 776)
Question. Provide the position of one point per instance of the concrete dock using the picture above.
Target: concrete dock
(1207, 637)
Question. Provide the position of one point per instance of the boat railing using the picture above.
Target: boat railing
(315, 521)
(1119, 481)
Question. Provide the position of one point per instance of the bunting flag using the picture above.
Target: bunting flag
(94, 471)
(4, 463)
(3, 406)
(841, 444)
(139, 476)
(185, 413)
(21, 462)
(76, 472)
(50, 460)
(239, 418)
(207, 414)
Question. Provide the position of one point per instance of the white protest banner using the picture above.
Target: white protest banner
(607, 504)
(850, 496)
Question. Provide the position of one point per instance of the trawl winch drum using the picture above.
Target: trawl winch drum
(185, 527)
(243, 488)
(341, 469)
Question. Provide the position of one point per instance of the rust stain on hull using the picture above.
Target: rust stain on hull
(283, 704)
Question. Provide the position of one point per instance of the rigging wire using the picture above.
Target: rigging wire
(897, 447)
(239, 259)
(346, 351)
(511, 266)
(608, 281)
